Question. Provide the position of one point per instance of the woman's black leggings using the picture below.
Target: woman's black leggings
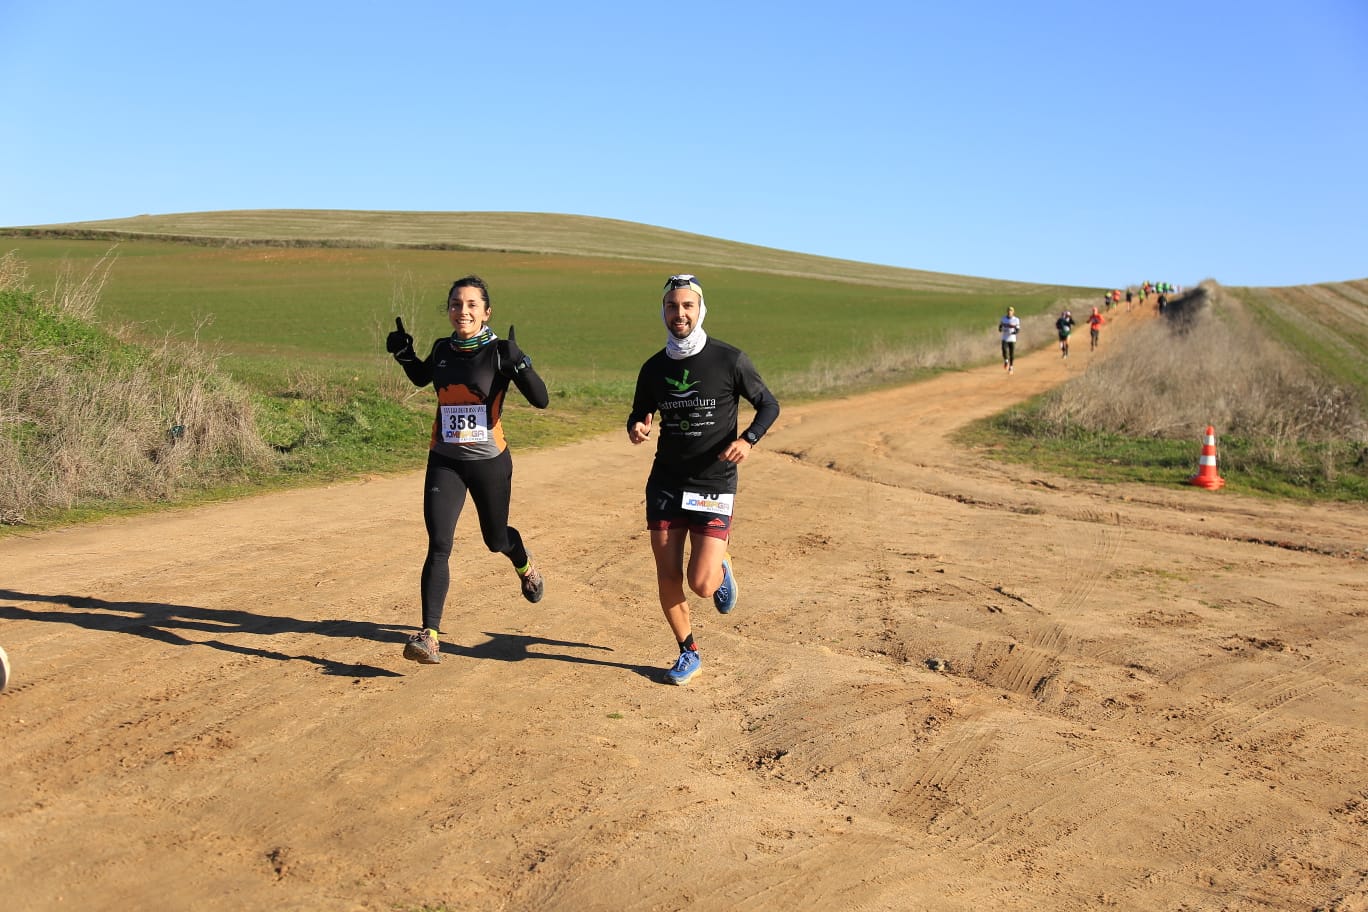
(490, 483)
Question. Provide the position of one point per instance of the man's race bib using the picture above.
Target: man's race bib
(465, 423)
(720, 504)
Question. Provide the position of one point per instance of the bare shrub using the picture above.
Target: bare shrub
(77, 296)
(141, 433)
(86, 417)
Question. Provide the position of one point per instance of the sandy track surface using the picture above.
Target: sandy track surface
(948, 685)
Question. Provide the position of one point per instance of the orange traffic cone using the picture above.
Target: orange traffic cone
(1207, 476)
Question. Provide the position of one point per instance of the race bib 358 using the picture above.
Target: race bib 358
(465, 423)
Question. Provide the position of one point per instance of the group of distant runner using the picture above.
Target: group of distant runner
(1009, 327)
(1064, 328)
(1140, 294)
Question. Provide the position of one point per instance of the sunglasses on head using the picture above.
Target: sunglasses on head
(684, 282)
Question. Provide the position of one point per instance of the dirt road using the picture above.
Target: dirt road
(948, 685)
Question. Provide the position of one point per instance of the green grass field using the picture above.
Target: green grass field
(1327, 324)
(291, 309)
(586, 321)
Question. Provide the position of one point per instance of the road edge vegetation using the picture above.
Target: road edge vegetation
(1291, 420)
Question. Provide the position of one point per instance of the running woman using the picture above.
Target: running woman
(695, 383)
(1009, 326)
(471, 370)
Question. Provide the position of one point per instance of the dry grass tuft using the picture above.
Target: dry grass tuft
(13, 273)
(77, 296)
(87, 417)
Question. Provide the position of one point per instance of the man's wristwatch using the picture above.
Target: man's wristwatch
(751, 437)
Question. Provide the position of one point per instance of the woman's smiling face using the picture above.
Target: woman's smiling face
(468, 311)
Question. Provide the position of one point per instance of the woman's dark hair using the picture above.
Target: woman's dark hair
(470, 281)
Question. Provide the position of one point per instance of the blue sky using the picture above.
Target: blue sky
(1073, 142)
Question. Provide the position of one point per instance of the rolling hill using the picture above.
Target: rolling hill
(511, 232)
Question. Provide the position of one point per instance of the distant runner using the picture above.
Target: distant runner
(1095, 322)
(1064, 326)
(1009, 326)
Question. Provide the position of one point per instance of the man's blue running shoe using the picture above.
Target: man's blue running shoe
(725, 596)
(685, 668)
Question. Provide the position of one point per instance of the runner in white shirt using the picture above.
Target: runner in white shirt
(1009, 326)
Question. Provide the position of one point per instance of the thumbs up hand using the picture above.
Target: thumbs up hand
(639, 432)
(398, 341)
(511, 357)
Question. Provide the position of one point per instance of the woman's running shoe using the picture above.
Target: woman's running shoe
(423, 648)
(685, 667)
(724, 598)
(533, 586)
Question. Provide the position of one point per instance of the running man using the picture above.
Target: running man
(1009, 326)
(471, 371)
(695, 383)
(1095, 322)
(1064, 326)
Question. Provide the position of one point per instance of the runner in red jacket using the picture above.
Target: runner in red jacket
(1095, 322)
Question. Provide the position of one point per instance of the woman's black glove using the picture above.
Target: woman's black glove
(512, 361)
(399, 343)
